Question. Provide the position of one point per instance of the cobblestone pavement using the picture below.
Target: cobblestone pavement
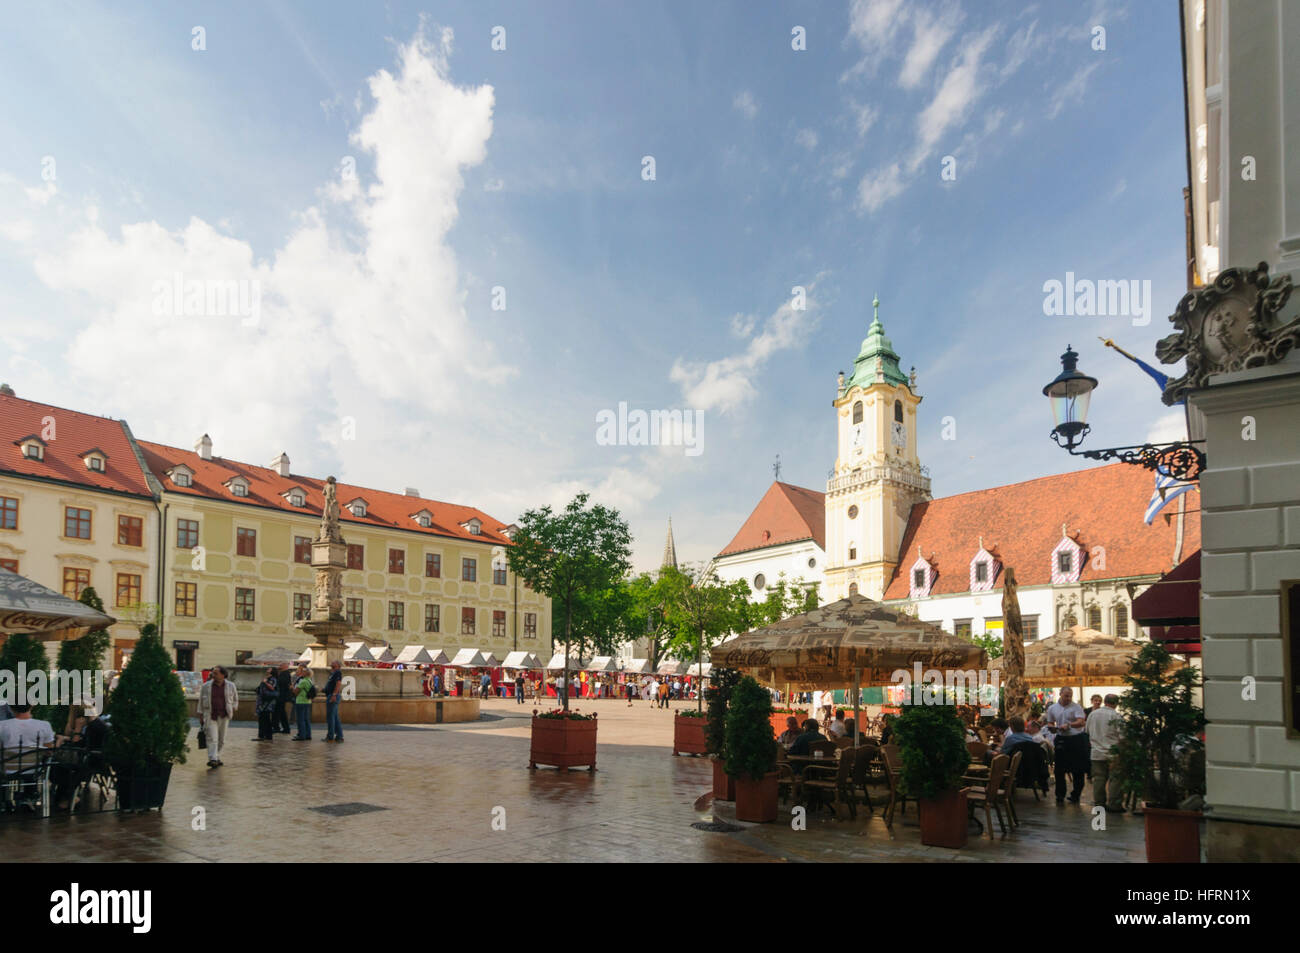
(437, 790)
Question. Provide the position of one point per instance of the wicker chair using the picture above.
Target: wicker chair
(893, 767)
(992, 795)
(817, 779)
(1009, 787)
(864, 756)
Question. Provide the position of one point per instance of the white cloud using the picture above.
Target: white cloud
(1168, 428)
(864, 117)
(806, 138)
(879, 186)
(956, 94)
(930, 34)
(875, 23)
(1072, 90)
(744, 102)
(727, 384)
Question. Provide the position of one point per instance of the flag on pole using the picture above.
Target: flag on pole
(1167, 489)
(1161, 379)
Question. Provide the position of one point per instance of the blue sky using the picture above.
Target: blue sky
(522, 169)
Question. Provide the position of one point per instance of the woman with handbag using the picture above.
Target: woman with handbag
(268, 696)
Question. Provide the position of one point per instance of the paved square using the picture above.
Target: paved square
(444, 793)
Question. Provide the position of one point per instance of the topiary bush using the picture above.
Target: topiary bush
(1160, 754)
(722, 682)
(748, 744)
(932, 743)
(150, 718)
(85, 654)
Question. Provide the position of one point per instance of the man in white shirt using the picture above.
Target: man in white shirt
(1104, 727)
(22, 731)
(1072, 750)
(837, 728)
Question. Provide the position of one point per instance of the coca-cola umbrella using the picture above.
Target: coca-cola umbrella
(29, 608)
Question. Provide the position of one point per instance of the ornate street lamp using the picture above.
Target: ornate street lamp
(1070, 393)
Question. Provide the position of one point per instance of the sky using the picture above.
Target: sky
(462, 232)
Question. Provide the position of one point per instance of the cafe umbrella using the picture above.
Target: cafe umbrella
(1078, 656)
(847, 644)
(28, 608)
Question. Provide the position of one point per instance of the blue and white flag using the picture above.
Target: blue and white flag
(1167, 488)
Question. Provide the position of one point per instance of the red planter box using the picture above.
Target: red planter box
(724, 788)
(563, 743)
(944, 820)
(756, 800)
(1173, 837)
(688, 735)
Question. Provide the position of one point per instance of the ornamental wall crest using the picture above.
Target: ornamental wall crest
(1230, 325)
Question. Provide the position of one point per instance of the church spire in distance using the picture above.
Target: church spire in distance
(670, 549)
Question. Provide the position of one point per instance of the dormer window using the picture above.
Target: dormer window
(475, 526)
(357, 507)
(238, 486)
(33, 447)
(1067, 560)
(181, 475)
(921, 577)
(95, 463)
(296, 496)
(181, 479)
(424, 518)
(984, 569)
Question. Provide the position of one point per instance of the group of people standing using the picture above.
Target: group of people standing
(279, 687)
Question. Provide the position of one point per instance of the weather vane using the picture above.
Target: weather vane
(776, 467)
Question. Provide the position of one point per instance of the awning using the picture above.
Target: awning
(27, 607)
(275, 656)
(1174, 599)
(491, 661)
(468, 658)
(357, 652)
(521, 660)
(668, 667)
(438, 657)
(414, 655)
(556, 663)
(637, 666)
(697, 671)
(602, 663)
(382, 654)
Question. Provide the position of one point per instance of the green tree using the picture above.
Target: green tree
(989, 643)
(85, 654)
(573, 557)
(149, 714)
(931, 740)
(1160, 757)
(781, 600)
(703, 610)
(749, 749)
(650, 596)
(28, 650)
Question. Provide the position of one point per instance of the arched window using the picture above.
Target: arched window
(857, 412)
(898, 411)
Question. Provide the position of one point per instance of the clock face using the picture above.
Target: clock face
(900, 434)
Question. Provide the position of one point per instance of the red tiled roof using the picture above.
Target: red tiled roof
(786, 514)
(73, 433)
(385, 510)
(1101, 506)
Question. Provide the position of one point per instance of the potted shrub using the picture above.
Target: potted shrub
(149, 722)
(1160, 755)
(750, 751)
(688, 732)
(563, 738)
(721, 683)
(932, 743)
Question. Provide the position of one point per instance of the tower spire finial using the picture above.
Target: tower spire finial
(875, 305)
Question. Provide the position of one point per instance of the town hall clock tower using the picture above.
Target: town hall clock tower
(877, 477)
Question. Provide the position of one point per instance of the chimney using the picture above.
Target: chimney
(6, 390)
(281, 464)
(412, 491)
(204, 447)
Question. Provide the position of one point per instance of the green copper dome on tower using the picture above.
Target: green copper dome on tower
(877, 353)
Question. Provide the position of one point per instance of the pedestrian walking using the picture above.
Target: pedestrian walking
(218, 700)
(268, 700)
(519, 688)
(304, 690)
(284, 681)
(485, 686)
(333, 691)
(1104, 726)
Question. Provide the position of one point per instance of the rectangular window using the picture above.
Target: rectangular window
(76, 523)
(301, 606)
(466, 621)
(982, 571)
(961, 627)
(1030, 625)
(187, 533)
(187, 599)
(75, 580)
(397, 560)
(356, 556)
(353, 611)
(498, 624)
(302, 549)
(8, 513)
(130, 531)
(1121, 621)
(245, 604)
(432, 618)
(469, 570)
(128, 589)
(853, 554)
(397, 615)
(1094, 618)
(433, 565)
(1065, 562)
(918, 579)
(10, 564)
(499, 576)
(246, 542)
(530, 625)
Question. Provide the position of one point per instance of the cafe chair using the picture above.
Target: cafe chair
(977, 750)
(25, 778)
(817, 778)
(992, 795)
(893, 768)
(1009, 783)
